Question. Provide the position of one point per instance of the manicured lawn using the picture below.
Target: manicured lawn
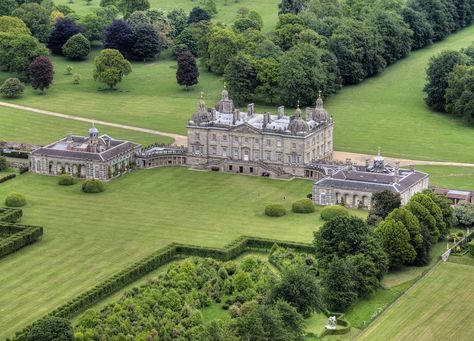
(227, 9)
(89, 237)
(450, 177)
(389, 111)
(28, 127)
(437, 308)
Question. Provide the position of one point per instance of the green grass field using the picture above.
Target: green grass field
(226, 9)
(439, 307)
(450, 177)
(28, 127)
(89, 237)
(389, 111)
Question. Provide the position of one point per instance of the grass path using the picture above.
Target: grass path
(417, 316)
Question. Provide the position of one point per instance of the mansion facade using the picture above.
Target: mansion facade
(225, 139)
(92, 156)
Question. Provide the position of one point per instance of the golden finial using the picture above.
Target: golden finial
(225, 85)
(298, 103)
(319, 93)
(379, 151)
(202, 94)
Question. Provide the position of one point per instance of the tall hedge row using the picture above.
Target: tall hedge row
(10, 215)
(20, 236)
(153, 261)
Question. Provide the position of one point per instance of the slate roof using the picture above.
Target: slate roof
(371, 182)
(117, 147)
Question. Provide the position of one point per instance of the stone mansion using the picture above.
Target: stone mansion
(225, 139)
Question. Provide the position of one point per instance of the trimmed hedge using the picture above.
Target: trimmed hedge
(21, 235)
(155, 260)
(331, 212)
(15, 200)
(92, 186)
(66, 180)
(10, 215)
(7, 177)
(303, 206)
(275, 210)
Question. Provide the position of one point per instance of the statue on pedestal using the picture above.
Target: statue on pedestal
(332, 321)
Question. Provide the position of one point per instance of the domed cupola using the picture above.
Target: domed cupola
(202, 115)
(297, 123)
(320, 114)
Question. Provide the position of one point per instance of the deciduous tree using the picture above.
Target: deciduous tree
(240, 76)
(110, 67)
(41, 71)
(119, 36)
(36, 17)
(63, 30)
(147, 43)
(339, 287)
(13, 25)
(17, 51)
(188, 72)
(439, 68)
(198, 14)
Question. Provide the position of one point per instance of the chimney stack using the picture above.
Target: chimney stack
(281, 111)
(309, 114)
(69, 136)
(367, 164)
(250, 109)
(397, 172)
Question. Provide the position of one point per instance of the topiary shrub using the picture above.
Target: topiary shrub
(303, 206)
(15, 200)
(66, 180)
(331, 212)
(92, 186)
(275, 210)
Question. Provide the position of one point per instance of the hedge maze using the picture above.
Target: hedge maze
(14, 236)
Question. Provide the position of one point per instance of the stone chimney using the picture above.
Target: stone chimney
(236, 115)
(281, 111)
(330, 172)
(349, 163)
(265, 121)
(69, 136)
(107, 143)
(250, 109)
(396, 172)
(214, 114)
(367, 164)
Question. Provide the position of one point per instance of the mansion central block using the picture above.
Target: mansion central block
(225, 139)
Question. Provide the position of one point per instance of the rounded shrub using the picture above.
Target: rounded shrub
(92, 186)
(275, 210)
(12, 88)
(66, 180)
(331, 212)
(303, 206)
(15, 200)
(77, 47)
